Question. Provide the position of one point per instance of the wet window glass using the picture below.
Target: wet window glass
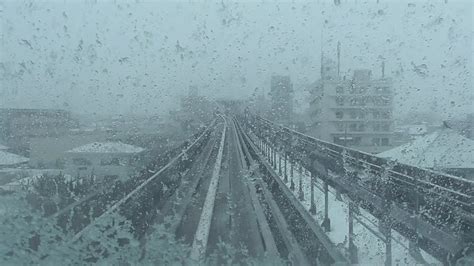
(324, 132)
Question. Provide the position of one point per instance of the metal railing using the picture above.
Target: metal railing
(432, 209)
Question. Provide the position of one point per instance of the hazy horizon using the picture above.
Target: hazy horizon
(137, 58)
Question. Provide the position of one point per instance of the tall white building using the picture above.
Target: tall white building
(355, 112)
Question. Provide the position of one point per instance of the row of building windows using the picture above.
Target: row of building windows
(358, 114)
(383, 115)
(111, 161)
(353, 127)
(354, 141)
(354, 90)
(380, 142)
(363, 101)
(361, 127)
(347, 141)
(378, 127)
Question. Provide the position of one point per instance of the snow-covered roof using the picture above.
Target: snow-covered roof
(3, 147)
(444, 148)
(7, 158)
(417, 129)
(107, 147)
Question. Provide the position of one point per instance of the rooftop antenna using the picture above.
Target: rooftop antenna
(322, 55)
(338, 58)
(383, 68)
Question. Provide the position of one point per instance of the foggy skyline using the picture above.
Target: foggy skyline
(139, 58)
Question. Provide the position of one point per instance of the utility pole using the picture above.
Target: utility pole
(345, 134)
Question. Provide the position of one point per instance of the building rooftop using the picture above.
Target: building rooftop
(7, 158)
(107, 147)
(441, 149)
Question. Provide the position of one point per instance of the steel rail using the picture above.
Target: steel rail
(201, 237)
(466, 202)
(323, 239)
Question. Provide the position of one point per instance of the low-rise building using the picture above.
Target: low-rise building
(281, 95)
(10, 160)
(48, 152)
(104, 160)
(443, 150)
(18, 126)
(465, 126)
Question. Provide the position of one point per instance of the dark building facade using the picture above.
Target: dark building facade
(196, 110)
(281, 94)
(18, 126)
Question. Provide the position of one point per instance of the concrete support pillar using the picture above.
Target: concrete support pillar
(326, 225)
(285, 175)
(274, 158)
(414, 250)
(338, 195)
(353, 257)
(386, 230)
(413, 246)
(268, 153)
(267, 150)
(385, 225)
(300, 190)
(279, 164)
(312, 208)
(388, 247)
(292, 182)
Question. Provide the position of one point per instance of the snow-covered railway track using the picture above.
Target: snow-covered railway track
(299, 239)
(217, 192)
(230, 202)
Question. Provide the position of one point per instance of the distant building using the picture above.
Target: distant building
(261, 105)
(281, 94)
(196, 110)
(48, 152)
(465, 126)
(231, 106)
(405, 133)
(105, 160)
(10, 160)
(17, 126)
(355, 112)
(443, 150)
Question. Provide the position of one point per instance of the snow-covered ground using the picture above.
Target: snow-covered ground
(26, 176)
(371, 249)
(108, 147)
(7, 158)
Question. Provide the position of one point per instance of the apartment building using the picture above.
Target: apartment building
(354, 112)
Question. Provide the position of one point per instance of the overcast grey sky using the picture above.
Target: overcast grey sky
(139, 56)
